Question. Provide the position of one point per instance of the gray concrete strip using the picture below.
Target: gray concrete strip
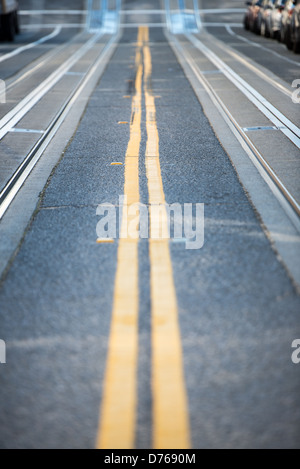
(283, 235)
(253, 76)
(16, 219)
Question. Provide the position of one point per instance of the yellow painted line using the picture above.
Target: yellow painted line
(123, 122)
(105, 241)
(116, 164)
(127, 97)
(119, 404)
(170, 405)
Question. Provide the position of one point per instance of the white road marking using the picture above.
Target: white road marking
(55, 33)
(142, 12)
(52, 25)
(75, 74)
(149, 25)
(222, 25)
(26, 131)
(222, 11)
(86, 12)
(52, 12)
(256, 129)
(125, 12)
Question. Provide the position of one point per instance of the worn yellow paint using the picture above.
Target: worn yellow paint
(105, 241)
(123, 122)
(170, 406)
(119, 405)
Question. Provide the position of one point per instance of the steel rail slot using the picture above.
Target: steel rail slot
(14, 184)
(256, 44)
(41, 61)
(282, 122)
(285, 198)
(247, 62)
(21, 109)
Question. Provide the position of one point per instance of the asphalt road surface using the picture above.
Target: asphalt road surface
(142, 343)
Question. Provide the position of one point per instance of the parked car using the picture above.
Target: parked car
(264, 18)
(275, 18)
(251, 17)
(285, 27)
(9, 24)
(295, 28)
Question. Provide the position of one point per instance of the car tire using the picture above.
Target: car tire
(17, 23)
(288, 40)
(246, 23)
(8, 27)
(256, 28)
(296, 47)
(276, 35)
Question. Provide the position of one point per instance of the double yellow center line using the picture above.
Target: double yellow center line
(119, 405)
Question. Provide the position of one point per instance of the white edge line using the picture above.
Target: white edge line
(136, 25)
(221, 25)
(142, 12)
(51, 26)
(86, 12)
(52, 12)
(222, 10)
